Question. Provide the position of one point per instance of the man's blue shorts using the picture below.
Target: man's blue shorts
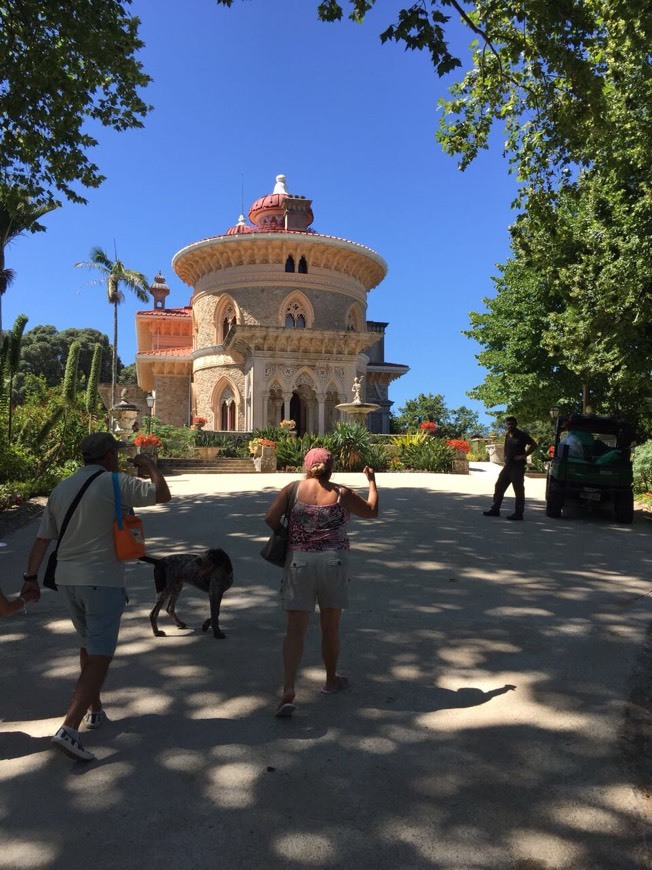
(96, 612)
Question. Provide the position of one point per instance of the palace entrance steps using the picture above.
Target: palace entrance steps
(207, 466)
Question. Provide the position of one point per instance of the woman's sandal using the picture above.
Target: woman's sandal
(94, 718)
(285, 709)
(343, 683)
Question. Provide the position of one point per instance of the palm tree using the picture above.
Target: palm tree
(116, 276)
(18, 214)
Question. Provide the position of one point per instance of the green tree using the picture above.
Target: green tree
(545, 72)
(45, 351)
(571, 323)
(63, 65)
(116, 276)
(9, 359)
(18, 214)
(92, 385)
(128, 375)
(433, 409)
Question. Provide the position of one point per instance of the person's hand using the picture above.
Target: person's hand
(31, 591)
(32, 594)
(370, 473)
(142, 461)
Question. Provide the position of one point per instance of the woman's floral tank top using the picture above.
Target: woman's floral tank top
(319, 527)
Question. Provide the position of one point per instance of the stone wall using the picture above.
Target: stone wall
(204, 385)
(260, 305)
(173, 399)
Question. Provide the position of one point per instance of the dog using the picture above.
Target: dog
(210, 571)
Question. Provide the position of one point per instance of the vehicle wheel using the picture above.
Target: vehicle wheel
(554, 504)
(624, 507)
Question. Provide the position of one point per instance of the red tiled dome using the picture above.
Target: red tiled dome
(267, 212)
(240, 227)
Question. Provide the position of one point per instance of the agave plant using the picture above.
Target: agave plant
(350, 444)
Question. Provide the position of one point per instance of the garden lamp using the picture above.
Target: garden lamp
(150, 404)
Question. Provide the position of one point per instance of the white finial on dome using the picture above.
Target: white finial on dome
(241, 221)
(280, 186)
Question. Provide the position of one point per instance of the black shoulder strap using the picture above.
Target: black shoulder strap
(73, 506)
(292, 497)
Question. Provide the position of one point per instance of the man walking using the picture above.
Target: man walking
(89, 576)
(518, 446)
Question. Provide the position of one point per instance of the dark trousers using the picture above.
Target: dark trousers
(512, 473)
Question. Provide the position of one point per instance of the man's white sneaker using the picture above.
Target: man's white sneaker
(67, 740)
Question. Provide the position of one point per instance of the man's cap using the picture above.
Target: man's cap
(317, 456)
(96, 445)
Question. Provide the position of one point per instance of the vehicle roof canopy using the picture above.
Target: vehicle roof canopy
(595, 423)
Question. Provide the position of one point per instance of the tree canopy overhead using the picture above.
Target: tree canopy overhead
(545, 71)
(63, 64)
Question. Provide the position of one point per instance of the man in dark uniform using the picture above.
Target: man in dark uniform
(518, 446)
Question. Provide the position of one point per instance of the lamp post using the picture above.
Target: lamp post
(150, 404)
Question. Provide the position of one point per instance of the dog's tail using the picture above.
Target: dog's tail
(160, 576)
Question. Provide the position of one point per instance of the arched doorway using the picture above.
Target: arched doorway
(303, 409)
(298, 413)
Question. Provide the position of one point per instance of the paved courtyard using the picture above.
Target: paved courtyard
(491, 665)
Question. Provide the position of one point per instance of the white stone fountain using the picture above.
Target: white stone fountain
(357, 410)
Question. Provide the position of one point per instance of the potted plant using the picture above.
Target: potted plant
(256, 445)
(288, 426)
(148, 444)
(198, 423)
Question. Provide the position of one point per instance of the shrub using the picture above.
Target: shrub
(176, 441)
(408, 439)
(432, 454)
(378, 457)
(16, 462)
(642, 468)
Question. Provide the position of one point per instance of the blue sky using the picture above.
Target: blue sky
(243, 94)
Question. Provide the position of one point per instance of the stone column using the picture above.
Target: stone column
(321, 399)
(287, 398)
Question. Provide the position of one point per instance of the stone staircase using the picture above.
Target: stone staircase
(207, 466)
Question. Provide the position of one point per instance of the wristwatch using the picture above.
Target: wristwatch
(30, 577)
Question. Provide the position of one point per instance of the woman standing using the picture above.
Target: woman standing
(316, 569)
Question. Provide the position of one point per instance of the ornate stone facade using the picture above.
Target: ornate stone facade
(276, 327)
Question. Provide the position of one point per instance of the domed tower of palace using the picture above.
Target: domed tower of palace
(276, 327)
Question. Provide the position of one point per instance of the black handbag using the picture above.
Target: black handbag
(51, 568)
(276, 549)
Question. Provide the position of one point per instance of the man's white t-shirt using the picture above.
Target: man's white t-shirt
(87, 554)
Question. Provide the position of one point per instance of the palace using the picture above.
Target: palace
(275, 329)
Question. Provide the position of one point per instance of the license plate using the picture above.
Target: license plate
(590, 494)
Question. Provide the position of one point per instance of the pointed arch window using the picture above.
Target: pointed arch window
(227, 320)
(227, 415)
(295, 315)
(354, 319)
(303, 266)
(289, 264)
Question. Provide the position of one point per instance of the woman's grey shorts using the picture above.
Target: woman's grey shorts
(96, 612)
(321, 577)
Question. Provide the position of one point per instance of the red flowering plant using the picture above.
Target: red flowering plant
(199, 421)
(147, 441)
(428, 426)
(459, 444)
